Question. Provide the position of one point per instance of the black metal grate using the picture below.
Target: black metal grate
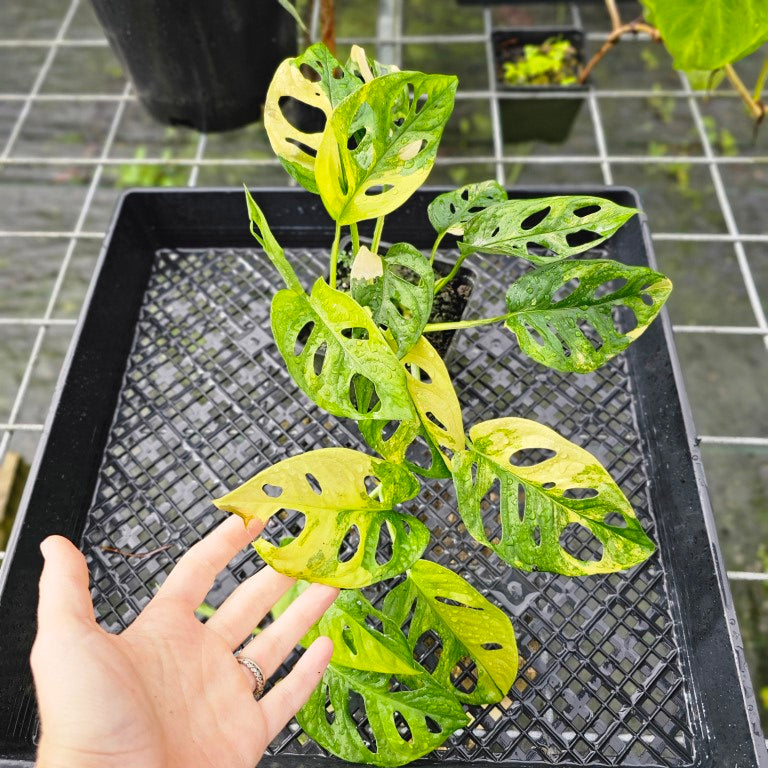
(207, 402)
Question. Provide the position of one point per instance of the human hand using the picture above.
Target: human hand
(168, 691)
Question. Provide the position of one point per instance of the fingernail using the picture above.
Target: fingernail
(44, 547)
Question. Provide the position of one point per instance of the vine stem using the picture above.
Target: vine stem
(757, 94)
(440, 284)
(459, 324)
(435, 246)
(377, 234)
(756, 109)
(334, 255)
(355, 238)
(615, 36)
(613, 12)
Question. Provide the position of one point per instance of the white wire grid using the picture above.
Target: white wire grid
(389, 41)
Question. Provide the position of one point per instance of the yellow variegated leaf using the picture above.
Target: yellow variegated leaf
(344, 519)
(525, 492)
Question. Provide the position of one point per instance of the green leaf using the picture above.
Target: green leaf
(521, 485)
(378, 149)
(563, 226)
(437, 420)
(406, 716)
(436, 600)
(364, 67)
(317, 80)
(451, 211)
(329, 342)
(578, 332)
(708, 34)
(401, 298)
(291, 8)
(343, 522)
(364, 638)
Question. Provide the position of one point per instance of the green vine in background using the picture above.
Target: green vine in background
(365, 354)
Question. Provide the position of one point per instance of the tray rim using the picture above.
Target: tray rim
(10, 756)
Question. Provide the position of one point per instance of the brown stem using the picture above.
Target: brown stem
(756, 108)
(613, 12)
(125, 553)
(632, 28)
(328, 24)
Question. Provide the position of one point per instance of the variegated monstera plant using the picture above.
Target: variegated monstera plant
(365, 354)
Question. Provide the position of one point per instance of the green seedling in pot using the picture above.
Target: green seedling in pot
(365, 354)
(553, 62)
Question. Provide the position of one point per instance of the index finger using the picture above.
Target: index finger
(193, 575)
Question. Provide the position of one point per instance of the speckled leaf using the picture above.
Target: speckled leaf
(316, 79)
(401, 298)
(544, 230)
(438, 414)
(434, 599)
(364, 638)
(546, 485)
(451, 211)
(328, 487)
(576, 331)
(328, 342)
(402, 717)
(376, 152)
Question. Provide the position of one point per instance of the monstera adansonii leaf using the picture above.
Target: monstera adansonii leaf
(375, 705)
(343, 519)
(331, 345)
(530, 495)
(451, 211)
(564, 317)
(544, 230)
(378, 148)
(435, 601)
(315, 82)
(436, 417)
(400, 298)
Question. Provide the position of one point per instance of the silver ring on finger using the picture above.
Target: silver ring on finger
(258, 675)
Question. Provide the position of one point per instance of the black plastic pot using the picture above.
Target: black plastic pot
(201, 63)
(549, 115)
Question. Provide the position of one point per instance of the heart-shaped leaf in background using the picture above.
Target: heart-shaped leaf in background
(563, 314)
(329, 342)
(450, 212)
(528, 493)
(544, 230)
(378, 148)
(440, 605)
(344, 520)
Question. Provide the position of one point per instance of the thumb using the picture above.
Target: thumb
(65, 601)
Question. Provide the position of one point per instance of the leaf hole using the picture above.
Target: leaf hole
(298, 113)
(454, 603)
(402, 727)
(439, 424)
(313, 483)
(419, 454)
(615, 520)
(464, 675)
(610, 287)
(384, 547)
(318, 359)
(407, 274)
(536, 535)
(530, 457)
(428, 649)
(305, 148)
(535, 218)
(590, 333)
(586, 210)
(349, 544)
(338, 73)
(579, 542)
(580, 493)
(624, 318)
(536, 249)
(534, 335)
(283, 526)
(330, 712)
(565, 290)
(360, 718)
(418, 373)
(371, 484)
(272, 490)
(521, 502)
(378, 189)
(362, 394)
(309, 73)
(492, 646)
(548, 486)
(421, 102)
(432, 725)
(582, 237)
(490, 512)
(389, 429)
(374, 622)
(349, 640)
(302, 337)
(357, 333)
(495, 232)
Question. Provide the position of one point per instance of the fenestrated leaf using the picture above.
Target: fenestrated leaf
(546, 485)
(364, 67)
(401, 298)
(579, 332)
(438, 414)
(708, 34)
(402, 717)
(377, 150)
(451, 211)
(317, 80)
(364, 638)
(544, 230)
(328, 341)
(328, 487)
(437, 600)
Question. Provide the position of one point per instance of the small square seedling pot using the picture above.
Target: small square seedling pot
(173, 392)
(536, 112)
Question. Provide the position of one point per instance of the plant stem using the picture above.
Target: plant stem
(377, 234)
(755, 108)
(355, 238)
(328, 24)
(613, 12)
(634, 27)
(440, 284)
(459, 324)
(334, 255)
(434, 247)
(757, 94)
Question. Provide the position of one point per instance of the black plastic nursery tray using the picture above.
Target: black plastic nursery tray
(174, 392)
